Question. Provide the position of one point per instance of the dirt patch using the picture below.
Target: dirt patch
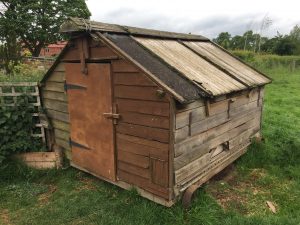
(4, 217)
(44, 198)
(232, 192)
(87, 184)
(229, 175)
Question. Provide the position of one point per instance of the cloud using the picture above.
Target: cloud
(209, 26)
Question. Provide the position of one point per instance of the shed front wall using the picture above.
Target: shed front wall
(209, 135)
(142, 133)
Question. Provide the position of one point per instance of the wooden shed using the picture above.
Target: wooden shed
(159, 111)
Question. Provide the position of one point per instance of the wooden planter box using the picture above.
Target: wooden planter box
(41, 160)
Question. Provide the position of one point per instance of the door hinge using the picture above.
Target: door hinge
(73, 86)
(75, 144)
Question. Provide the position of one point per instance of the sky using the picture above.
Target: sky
(208, 18)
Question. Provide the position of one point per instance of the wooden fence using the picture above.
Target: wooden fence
(9, 92)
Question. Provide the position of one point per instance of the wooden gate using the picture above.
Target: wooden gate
(92, 133)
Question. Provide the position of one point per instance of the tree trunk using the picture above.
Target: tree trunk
(37, 50)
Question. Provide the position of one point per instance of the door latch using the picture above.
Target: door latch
(114, 115)
(111, 115)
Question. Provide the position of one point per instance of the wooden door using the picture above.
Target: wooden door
(92, 139)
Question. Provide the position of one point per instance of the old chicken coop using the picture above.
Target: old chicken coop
(159, 111)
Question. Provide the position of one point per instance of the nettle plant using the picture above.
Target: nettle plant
(16, 126)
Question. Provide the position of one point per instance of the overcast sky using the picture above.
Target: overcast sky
(209, 17)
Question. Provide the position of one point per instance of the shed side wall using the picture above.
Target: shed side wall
(143, 131)
(208, 133)
(55, 102)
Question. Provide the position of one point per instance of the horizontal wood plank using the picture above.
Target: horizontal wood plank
(189, 106)
(53, 95)
(129, 168)
(64, 117)
(54, 86)
(60, 68)
(192, 168)
(204, 148)
(143, 183)
(154, 144)
(145, 120)
(64, 135)
(123, 66)
(184, 118)
(145, 107)
(57, 76)
(56, 105)
(140, 149)
(133, 79)
(133, 159)
(150, 133)
(60, 125)
(197, 140)
(137, 92)
(63, 143)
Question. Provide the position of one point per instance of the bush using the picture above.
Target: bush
(16, 125)
(24, 73)
(246, 56)
(267, 61)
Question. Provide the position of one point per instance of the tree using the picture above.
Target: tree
(223, 39)
(36, 23)
(237, 42)
(295, 37)
(10, 48)
(285, 46)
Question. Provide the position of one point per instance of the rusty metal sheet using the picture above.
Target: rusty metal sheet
(238, 69)
(192, 66)
(92, 139)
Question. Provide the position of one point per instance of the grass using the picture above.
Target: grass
(270, 171)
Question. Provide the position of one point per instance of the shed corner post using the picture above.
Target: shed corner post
(171, 148)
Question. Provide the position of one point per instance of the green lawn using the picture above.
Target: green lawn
(270, 171)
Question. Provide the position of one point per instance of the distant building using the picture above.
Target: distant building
(53, 49)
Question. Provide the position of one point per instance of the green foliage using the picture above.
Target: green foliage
(23, 73)
(267, 61)
(223, 39)
(16, 125)
(37, 23)
(250, 41)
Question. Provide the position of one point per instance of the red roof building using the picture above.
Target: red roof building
(53, 49)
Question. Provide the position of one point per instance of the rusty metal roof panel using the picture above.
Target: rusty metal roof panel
(227, 62)
(192, 66)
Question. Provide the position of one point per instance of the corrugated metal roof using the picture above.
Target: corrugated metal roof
(218, 56)
(192, 66)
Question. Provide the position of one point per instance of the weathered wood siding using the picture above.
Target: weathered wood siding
(54, 97)
(143, 132)
(209, 132)
(55, 102)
